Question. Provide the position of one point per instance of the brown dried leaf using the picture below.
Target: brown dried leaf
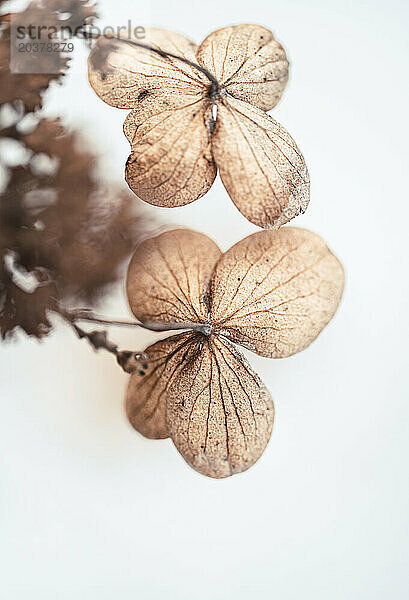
(274, 291)
(248, 62)
(171, 162)
(125, 72)
(168, 277)
(219, 413)
(146, 396)
(25, 310)
(260, 165)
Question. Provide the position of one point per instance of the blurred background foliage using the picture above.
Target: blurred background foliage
(63, 232)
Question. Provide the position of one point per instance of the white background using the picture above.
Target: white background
(91, 510)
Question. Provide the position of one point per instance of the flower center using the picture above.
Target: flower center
(213, 90)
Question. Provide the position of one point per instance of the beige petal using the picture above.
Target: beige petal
(248, 62)
(219, 413)
(168, 277)
(120, 73)
(260, 165)
(275, 291)
(146, 395)
(171, 162)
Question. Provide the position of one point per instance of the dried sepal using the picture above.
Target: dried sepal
(120, 72)
(179, 139)
(219, 414)
(147, 393)
(248, 63)
(168, 277)
(275, 291)
(171, 163)
(260, 165)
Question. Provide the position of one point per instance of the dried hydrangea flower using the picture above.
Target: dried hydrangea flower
(272, 292)
(190, 118)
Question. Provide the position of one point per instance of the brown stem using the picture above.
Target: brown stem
(131, 361)
(85, 315)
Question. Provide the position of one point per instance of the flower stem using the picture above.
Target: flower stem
(131, 361)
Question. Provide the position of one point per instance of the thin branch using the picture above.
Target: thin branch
(131, 361)
(86, 315)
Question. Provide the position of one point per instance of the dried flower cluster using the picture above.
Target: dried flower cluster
(191, 118)
(71, 238)
(63, 235)
(273, 293)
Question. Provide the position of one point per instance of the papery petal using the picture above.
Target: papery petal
(171, 162)
(274, 291)
(260, 165)
(248, 62)
(120, 73)
(168, 277)
(219, 414)
(146, 395)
